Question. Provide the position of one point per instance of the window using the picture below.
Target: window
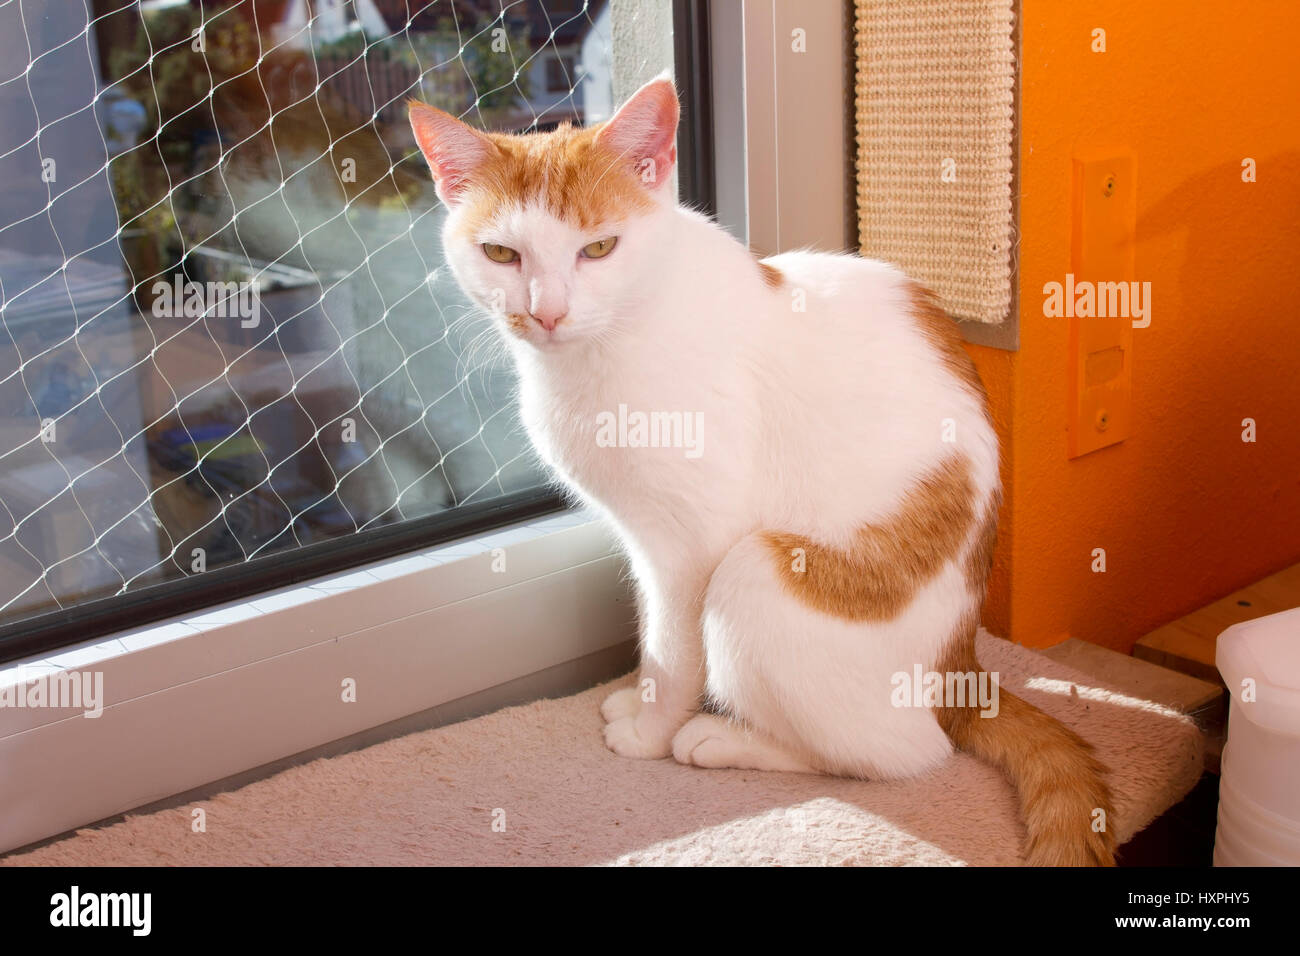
(559, 70)
(229, 351)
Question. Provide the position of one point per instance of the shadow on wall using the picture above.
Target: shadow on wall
(1220, 354)
(1199, 202)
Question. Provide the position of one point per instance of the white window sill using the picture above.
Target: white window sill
(200, 698)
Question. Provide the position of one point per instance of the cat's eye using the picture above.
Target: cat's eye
(599, 249)
(499, 253)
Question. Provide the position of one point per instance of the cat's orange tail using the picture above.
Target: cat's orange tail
(1060, 782)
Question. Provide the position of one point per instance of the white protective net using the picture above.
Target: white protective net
(225, 324)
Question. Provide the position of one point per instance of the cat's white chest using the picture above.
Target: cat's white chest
(621, 440)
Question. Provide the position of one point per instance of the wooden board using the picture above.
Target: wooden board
(1188, 643)
(1204, 702)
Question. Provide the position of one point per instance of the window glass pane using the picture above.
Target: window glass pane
(226, 327)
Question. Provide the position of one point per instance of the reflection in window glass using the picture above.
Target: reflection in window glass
(226, 328)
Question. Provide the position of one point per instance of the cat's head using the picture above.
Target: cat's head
(555, 233)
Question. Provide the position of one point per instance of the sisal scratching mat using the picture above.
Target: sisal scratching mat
(934, 123)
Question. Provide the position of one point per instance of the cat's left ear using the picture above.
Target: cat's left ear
(644, 132)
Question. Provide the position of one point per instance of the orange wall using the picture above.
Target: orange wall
(1185, 510)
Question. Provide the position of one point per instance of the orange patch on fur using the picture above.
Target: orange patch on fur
(979, 559)
(942, 332)
(772, 276)
(517, 322)
(566, 171)
(877, 576)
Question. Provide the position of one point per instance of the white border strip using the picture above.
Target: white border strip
(198, 699)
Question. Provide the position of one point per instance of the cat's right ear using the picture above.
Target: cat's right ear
(452, 149)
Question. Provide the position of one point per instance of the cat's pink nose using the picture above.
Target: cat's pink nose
(548, 320)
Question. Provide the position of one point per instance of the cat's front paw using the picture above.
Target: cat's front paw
(630, 737)
(620, 704)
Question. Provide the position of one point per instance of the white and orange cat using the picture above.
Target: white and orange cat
(821, 536)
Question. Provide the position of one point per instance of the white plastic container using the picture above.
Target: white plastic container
(1259, 784)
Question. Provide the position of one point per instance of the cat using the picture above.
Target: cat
(823, 536)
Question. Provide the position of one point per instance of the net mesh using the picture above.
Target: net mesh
(226, 327)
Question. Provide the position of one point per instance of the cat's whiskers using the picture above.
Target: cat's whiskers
(487, 341)
(459, 324)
